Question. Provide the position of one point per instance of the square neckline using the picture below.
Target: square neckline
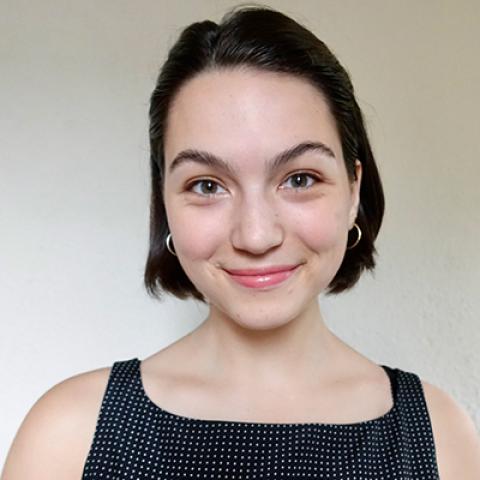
(391, 373)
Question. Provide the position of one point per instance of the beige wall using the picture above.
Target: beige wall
(74, 87)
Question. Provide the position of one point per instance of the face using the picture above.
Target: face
(252, 213)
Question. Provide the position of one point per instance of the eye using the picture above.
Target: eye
(210, 187)
(298, 180)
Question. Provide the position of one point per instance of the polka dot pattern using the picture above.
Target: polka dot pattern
(138, 440)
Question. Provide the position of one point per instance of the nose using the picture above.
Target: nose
(256, 226)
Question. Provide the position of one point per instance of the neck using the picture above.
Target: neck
(300, 351)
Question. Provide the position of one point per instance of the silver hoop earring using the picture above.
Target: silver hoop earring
(167, 241)
(359, 236)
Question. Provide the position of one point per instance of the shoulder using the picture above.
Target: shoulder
(457, 442)
(55, 436)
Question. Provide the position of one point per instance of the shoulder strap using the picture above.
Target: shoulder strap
(416, 427)
(111, 431)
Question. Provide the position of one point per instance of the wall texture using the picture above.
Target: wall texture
(74, 87)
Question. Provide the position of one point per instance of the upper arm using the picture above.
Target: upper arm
(457, 441)
(55, 436)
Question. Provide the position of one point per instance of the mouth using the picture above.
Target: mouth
(263, 277)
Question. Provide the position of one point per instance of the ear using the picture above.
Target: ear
(355, 193)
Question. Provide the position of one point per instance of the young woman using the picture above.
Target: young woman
(265, 193)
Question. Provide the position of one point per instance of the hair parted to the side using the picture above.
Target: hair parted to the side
(260, 37)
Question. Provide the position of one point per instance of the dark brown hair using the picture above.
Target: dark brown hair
(260, 37)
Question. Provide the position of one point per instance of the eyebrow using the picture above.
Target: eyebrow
(211, 160)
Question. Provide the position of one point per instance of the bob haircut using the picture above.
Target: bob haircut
(260, 37)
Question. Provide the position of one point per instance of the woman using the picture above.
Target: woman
(265, 193)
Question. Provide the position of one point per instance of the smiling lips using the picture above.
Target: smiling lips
(262, 277)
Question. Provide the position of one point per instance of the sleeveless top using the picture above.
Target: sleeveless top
(138, 440)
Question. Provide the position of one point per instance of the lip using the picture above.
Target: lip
(273, 276)
(260, 271)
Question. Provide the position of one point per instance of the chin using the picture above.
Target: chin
(260, 316)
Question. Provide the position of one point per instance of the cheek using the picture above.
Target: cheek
(321, 228)
(196, 234)
(323, 233)
(197, 238)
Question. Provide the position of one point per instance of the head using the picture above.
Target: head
(244, 91)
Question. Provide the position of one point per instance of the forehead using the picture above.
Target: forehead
(248, 112)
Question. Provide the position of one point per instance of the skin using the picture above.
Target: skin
(256, 219)
(258, 356)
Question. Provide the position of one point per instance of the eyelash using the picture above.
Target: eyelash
(300, 173)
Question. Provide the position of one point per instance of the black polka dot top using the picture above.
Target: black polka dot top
(136, 439)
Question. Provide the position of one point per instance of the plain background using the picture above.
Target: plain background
(74, 183)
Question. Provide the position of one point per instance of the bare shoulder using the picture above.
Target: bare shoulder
(457, 441)
(55, 436)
